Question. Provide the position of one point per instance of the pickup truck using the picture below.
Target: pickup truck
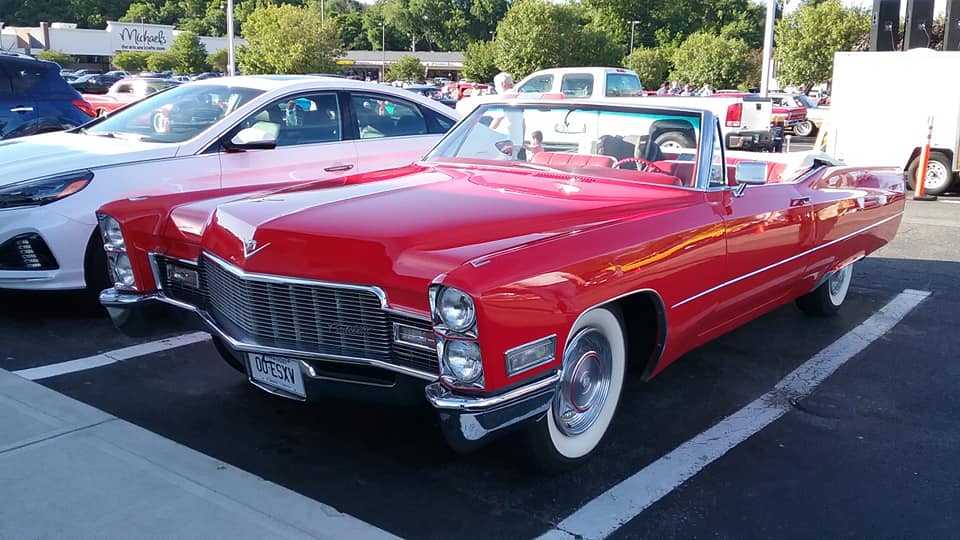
(746, 119)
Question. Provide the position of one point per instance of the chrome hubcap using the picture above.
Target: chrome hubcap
(936, 175)
(585, 384)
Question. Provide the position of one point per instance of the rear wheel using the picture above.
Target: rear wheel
(594, 363)
(825, 300)
(939, 174)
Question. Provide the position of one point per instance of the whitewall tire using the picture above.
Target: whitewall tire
(825, 300)
(594, 366)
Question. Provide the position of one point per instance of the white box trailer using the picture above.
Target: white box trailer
(879, 107)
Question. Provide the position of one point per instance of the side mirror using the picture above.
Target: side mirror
(749, 173)
(253, 138)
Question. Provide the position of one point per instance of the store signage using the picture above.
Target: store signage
(140, 37)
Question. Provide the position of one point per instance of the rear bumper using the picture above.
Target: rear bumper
(752, 140)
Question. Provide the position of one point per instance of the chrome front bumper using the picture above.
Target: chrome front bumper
(467, 422)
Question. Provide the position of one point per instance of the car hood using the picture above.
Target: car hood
(53, 153)
(401, 231)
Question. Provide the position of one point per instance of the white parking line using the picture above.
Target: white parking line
(111, 357)
(608, 512)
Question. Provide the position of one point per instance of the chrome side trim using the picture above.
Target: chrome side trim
(286, 280)
(442, 398)
(784, 261)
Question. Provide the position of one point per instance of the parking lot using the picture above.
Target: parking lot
(868, 453)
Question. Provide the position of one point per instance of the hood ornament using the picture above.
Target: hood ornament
(250, 248)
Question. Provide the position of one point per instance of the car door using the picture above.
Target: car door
(391, 131)
(311, 145)
(18, 109)
(766, 231)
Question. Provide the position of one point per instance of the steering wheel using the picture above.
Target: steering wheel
(647, 165)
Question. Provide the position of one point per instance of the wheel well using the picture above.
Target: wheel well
(95, 271)
(644, 318)
(916, 153)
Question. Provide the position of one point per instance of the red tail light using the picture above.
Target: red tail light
(85, 107)
(734, 113)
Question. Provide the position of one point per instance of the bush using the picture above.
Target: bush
(131, 60)
(651, 65)
(407, 68)
(63, 59)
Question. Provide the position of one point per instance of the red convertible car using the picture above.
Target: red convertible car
(509, 278)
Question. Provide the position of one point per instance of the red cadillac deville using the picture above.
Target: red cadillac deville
(512, 276)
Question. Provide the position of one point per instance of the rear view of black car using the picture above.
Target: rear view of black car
(34, 98)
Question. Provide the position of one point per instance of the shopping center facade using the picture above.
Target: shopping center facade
(96, 48)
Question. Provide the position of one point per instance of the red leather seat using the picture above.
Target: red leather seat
(554, 159)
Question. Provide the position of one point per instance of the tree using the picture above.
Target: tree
(190, 52)
(288, 39)
(537, 35)
(142, 12)
(651, 65)
(807, 38)
(479, 61)
(707, 58)
(161, 62)
(61, 58)
(218, 60)
(131, 60)
(407, 68)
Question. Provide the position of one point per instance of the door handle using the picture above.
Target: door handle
(22, 109)
(800, 201)
(338, 168)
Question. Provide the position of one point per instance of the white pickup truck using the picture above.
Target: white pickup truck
(746, 120)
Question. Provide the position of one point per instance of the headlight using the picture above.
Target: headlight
(122, 271)
(44, 190)
(114, 244)
(456, 309)
(462, 359)
(112, 236)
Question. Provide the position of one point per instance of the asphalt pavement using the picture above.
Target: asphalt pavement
(869, 453)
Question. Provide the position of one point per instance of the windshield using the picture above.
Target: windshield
(175, 115)
(806, 102)
(604, 141)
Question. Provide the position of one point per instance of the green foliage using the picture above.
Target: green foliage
(142, 12)
(537, 35)
(131, 60)
(61, 58)
(407, 68)
(190, 52)
(706, 58)
(218, 60)
(161, 62)
(651, 65)
(480, 61)
(288, 39)
(351, 31)
(807, 38)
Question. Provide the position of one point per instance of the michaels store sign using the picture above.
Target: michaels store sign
(140, 37)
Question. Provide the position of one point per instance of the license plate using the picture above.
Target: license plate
(277, 372)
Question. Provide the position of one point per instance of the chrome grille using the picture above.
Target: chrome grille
(307, 317)
(179, 290)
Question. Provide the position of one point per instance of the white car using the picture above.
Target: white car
(222, 132)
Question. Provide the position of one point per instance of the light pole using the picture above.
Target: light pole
(231, 61)
(767, 47)
(633, 28)
(383, 48)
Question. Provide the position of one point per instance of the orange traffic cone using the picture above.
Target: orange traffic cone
(921, 178)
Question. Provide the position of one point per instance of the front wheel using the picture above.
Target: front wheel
(594, 363)
(825, 300)
(804, 129)
(939, 174)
